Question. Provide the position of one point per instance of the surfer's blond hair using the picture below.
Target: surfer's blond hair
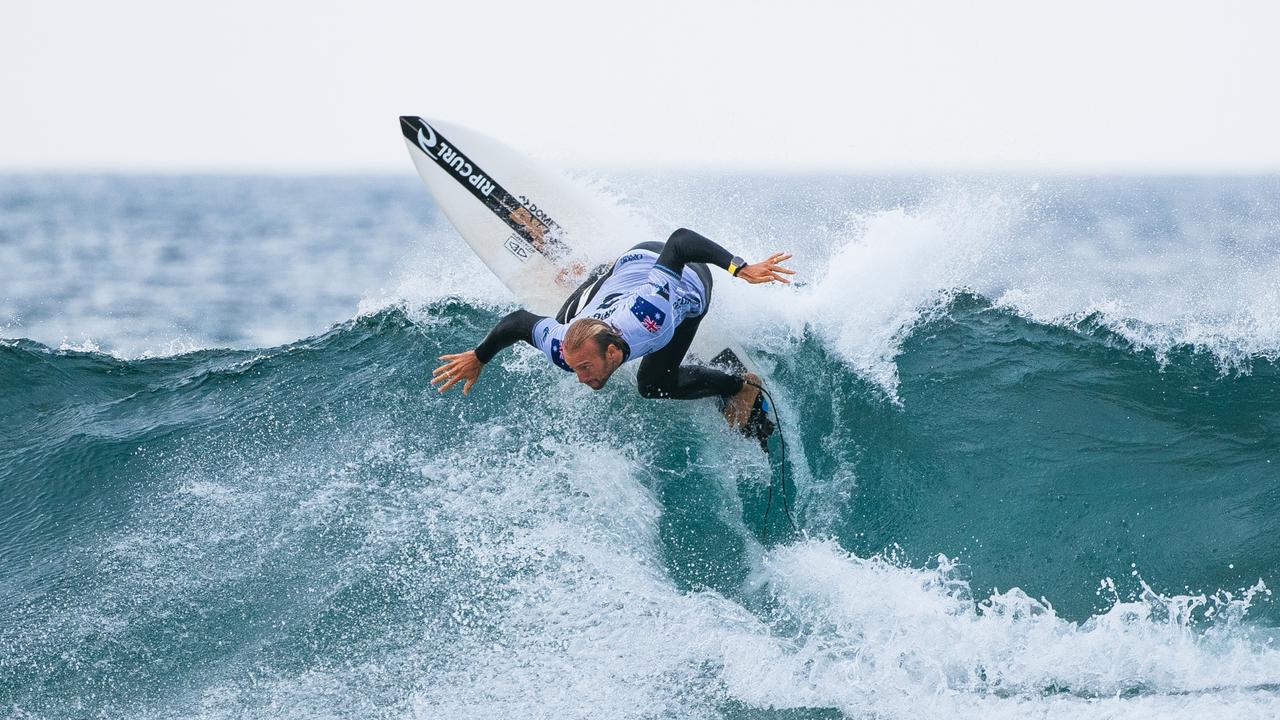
(586, 329)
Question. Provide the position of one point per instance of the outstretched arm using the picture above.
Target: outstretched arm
(686, 246)
(511, 329)
(465, 367)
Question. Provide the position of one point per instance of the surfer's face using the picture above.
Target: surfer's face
(593, 367)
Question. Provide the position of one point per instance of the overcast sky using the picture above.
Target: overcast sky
(872, 87)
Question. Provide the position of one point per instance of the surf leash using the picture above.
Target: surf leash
(779, 477)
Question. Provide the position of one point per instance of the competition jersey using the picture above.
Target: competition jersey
(643, 300)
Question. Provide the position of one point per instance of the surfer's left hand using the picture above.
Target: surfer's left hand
(768, 270)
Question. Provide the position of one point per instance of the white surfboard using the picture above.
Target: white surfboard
(538, 232)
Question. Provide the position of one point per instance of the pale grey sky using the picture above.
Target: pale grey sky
(888, 86)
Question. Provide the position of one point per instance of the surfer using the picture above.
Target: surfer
(646, 304)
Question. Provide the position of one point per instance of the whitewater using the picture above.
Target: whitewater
(1032, 426)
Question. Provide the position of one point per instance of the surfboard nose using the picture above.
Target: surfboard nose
(417, 130)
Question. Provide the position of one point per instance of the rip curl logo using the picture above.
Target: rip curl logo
(456, 161)
(428, 141)
(448, 157)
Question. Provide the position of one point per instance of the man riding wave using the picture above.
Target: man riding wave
(648, 305)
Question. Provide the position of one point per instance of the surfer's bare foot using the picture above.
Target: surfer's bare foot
(738, 410)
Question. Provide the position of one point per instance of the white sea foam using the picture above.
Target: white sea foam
(595, 628)
(875, 638)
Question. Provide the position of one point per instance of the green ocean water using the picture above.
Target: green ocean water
(1001, 510)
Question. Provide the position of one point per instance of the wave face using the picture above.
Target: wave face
(1018, 491)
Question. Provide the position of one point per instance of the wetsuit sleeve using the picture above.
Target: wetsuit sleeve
(686, 246)
(511, 329)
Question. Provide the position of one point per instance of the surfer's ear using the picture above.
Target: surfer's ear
(613, 355)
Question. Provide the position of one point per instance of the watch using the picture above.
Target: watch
(736, 264)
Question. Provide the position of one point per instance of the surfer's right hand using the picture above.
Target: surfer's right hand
(463, 367)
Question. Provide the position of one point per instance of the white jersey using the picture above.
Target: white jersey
(643, 300)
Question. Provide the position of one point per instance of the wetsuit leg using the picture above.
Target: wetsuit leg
(662, 376)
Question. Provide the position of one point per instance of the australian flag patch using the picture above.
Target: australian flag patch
(648, 314)
(557, 357)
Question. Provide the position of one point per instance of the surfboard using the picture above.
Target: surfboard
(540, 233)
